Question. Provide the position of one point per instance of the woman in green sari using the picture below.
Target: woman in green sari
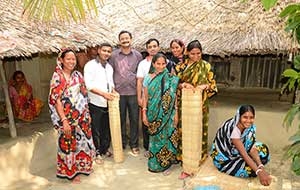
(160, 115)
(196, 73)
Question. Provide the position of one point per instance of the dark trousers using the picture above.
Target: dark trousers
(129, 103)
(100, 128)
(145, 137)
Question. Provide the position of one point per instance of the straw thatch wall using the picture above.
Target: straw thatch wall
(224, 27)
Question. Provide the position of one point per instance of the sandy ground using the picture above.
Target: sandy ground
(132, 174)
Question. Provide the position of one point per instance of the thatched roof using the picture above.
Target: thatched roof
(223, 27)
(20, 37)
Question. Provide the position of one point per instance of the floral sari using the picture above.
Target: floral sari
(225, 155)
(25, 107)
(196, 74)
(160, 113)
(75, 152)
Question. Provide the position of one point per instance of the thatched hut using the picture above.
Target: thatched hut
(32, 46)
(246, 45)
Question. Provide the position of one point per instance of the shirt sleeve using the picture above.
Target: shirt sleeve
(89, 76)
(236, 133)
(140, 73)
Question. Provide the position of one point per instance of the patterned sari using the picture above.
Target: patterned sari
(161, 111)
(196, 74)
(75, 152)
(25, 107)
(227, 158)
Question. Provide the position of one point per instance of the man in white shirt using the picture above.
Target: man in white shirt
(98, 76)
(152, 46)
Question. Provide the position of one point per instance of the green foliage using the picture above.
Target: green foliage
(63, 10)
(268, 3)
(291, 14)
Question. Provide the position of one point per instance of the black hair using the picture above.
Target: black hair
(194, 44)
(105, 44)
(154, 59)
(64, 52)
(157, 56)
(151, 40)
(179, 42)
(18, 73)
(245, 108)
(124, 32)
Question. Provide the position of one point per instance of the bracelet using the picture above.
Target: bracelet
(63, 119)
(258, 170)
(144, 109)
(260, 166)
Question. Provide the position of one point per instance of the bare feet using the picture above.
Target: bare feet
(99, 160)
(183, 175)
(76, 180)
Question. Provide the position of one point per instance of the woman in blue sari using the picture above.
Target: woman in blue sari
(160, 115)
(235, 150)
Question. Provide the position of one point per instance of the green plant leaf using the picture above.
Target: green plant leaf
(289, 10)
(294, 23)
(63, 10)
(290, 115)
(296, 62)
(296, 137)
(290, 73)
(292, 82)
(296, 164)
(268, 3)
(297, 34)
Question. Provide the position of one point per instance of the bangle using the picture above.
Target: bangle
(258, 170)
(144, 109)
(260, 166)
(63, 119)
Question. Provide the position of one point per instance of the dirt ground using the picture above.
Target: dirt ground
(132, 174)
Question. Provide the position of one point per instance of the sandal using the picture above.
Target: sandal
(147, 154)
(184, 175)
(99, 160)
(108, 154)
(135, 151)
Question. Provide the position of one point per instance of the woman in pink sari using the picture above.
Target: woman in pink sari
(25, 107)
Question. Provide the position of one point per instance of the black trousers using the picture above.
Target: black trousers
(100, 128)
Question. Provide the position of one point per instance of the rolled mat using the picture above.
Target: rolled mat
(115, 129)
(191, 130)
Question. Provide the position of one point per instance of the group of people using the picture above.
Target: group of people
(149, 88)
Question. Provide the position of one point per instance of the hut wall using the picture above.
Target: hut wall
(38, 72)
(250, 71)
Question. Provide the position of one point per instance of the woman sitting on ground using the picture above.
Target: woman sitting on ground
(235, 150)
(25, 107)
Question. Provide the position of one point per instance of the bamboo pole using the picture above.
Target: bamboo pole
(12, 126)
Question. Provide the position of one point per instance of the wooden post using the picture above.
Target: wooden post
(12, 126)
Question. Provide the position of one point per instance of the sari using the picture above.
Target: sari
(75, 152)
(163, 139)
(226, 157)
(196, 74)
(25, 107)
